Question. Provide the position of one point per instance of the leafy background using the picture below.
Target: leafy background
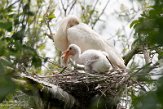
(23, 24)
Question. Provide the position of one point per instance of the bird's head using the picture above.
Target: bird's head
(70, 22)
(73, 52)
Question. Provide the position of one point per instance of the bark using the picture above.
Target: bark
(130, 54)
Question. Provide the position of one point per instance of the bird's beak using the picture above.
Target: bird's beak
(66, 56)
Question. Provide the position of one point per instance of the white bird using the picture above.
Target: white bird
(72, 31)
(93, 60)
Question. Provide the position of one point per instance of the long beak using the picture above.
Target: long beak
(66, 56)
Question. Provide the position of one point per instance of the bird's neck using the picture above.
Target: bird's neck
(76, 57)
(60, 39)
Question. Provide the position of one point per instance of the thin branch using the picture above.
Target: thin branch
(146, 54)
(144, 70)
(50, 61)
(97, 19)
(63, 70)
(13, 3)
(48, 25)
(48, 22)
(64, 9)
(95, 4)
(90, 16)
(50, 36)
(73, 4)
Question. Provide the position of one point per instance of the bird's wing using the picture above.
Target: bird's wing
(92, 60)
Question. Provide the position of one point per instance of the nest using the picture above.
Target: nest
(85, 86)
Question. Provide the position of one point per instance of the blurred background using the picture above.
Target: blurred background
(134, 27)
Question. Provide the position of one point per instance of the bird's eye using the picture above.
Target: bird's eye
(70, 48)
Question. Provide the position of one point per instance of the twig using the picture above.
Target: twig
(63, 70)
(146, 54)
(50, 36)
(48, 22)
(95, 4)
(100, 14)
(73, 4)
(50, 62)
(138, 71)
(90, 16)
(48, 25)
(13, 3)
(64, 9)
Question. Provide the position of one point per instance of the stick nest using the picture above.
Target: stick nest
(85, 86)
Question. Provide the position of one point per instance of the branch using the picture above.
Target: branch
(130, 54)
(73, 4)
(64, 9)
(50, 36)
(146, 54)
(90, 16)
(48, 24)
(51, 95)
(143, 70)
(13, 3)
(100, 14)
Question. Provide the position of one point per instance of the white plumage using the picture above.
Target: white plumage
(72, 31)
(93, 60)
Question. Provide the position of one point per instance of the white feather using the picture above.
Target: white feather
(93, 60)
(86, 38)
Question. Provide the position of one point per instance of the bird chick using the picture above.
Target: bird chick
(93, 60)
(73, 31)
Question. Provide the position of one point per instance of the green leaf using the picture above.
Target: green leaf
(19, 35)
(6, 85)
(36, 61)
(6, 25)
(160, 90)
(41, 46)
(134, 23)
(51, 16)
(160, 55)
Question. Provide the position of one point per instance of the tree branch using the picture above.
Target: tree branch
(146, 54)
(97, 19)
(64, 9)
(73, 4)
(130, 54)
(50, 36)
(50, 94)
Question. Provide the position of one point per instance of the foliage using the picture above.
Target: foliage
(149, 27)
(20, 40)
(22, 26)
(148, 30)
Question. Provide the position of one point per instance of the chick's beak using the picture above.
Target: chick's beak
(66, 56)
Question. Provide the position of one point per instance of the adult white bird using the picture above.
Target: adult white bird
(93, 60)
(72, 31)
